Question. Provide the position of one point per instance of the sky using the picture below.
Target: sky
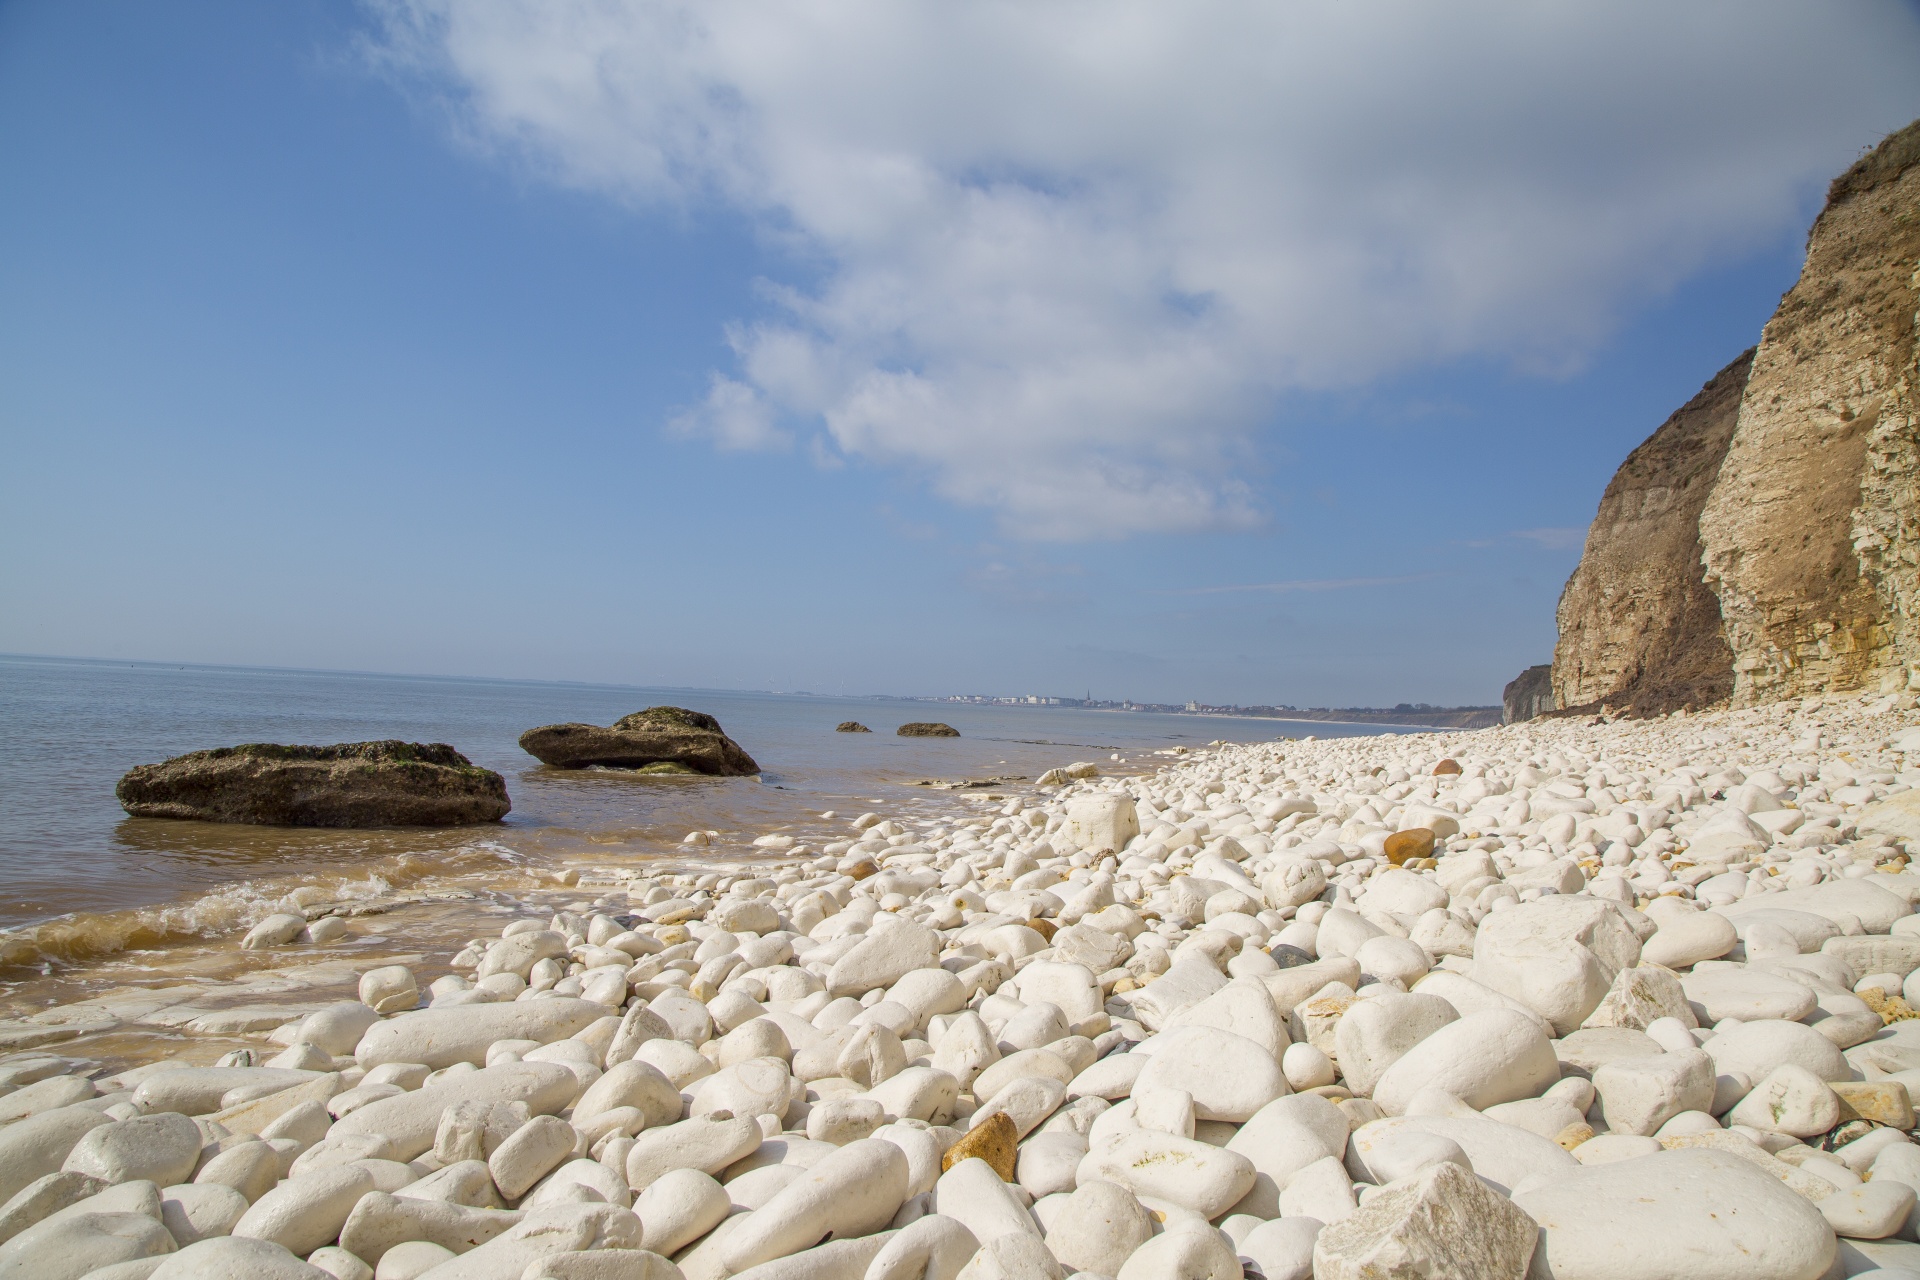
(1241, 352)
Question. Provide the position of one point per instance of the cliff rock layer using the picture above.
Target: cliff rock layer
(1764, 543)
(1811, 534)
(1527, 695)
(1639, 627)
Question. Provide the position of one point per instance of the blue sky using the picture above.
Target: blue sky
(1162, 352)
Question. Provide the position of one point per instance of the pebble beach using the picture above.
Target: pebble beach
(1570, 998)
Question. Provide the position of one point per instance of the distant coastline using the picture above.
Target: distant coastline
(1406, 715)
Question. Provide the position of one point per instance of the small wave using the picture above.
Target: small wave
(83, 936)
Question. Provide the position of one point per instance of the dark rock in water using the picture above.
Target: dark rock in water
(851, 726)
(351, 784)
(657, 740)
(925, 729)
(1529, 695)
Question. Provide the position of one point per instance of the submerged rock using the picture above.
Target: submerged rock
(851, 726)
(349, 784)
(657, 740)
(927, 729)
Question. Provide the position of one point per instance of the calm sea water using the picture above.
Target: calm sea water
(81, 877)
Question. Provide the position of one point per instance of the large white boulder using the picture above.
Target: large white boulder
(1105, 821)
(1503, 1154)
(1488, 1058)
(442, 1037)
(1376, 1033)
(1441, 1224)
(1687, 1215)
(1163, 1166)
(1638, 1095)
(1229, 1076)
(410, 1120)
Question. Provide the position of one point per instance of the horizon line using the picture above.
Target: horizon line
(687, 688)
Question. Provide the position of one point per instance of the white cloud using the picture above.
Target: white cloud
(1063, 257)
(735, 416)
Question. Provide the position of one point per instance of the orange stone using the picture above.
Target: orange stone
(995, 1140)
(1414, 842)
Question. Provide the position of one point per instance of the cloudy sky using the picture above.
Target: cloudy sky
(1246, 352)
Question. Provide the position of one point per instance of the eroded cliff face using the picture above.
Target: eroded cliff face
(1639, 628)
(1811, 534)
(1764, 543)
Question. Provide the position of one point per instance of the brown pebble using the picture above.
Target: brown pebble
(1882, 1101)
(995, 1140)
(1414, 842)
(1446, 767)
(1045, 928)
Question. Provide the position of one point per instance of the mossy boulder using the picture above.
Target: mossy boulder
(657, 740)
(927, 729)
(349, 784)
(851, 726)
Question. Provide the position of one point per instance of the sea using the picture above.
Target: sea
(86, 885)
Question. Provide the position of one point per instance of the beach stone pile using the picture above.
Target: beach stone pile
(1567, 999)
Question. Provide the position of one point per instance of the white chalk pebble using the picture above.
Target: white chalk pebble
(1187, 1252)
(158, 1148)
(340, 1264)
(306, 1211)
(411, 1259)
(1306, 1067)
(679, 1208)
(1230, 1037)
(530, 1153)
(236, 1258)
(1686, 941)
(199, 1211)
(389, 989)
(1099, 1227)
(67, 1245)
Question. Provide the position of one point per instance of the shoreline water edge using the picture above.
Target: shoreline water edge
(1635, 997)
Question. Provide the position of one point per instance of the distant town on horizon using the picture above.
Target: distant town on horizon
(1407, 713)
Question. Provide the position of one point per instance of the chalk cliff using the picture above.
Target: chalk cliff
(1809, 534)
(1639, 627)
(1764, 543)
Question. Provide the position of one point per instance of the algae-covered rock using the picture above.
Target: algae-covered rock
(927, 729)
(657, 740)
(851, 726)
(349, 784)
